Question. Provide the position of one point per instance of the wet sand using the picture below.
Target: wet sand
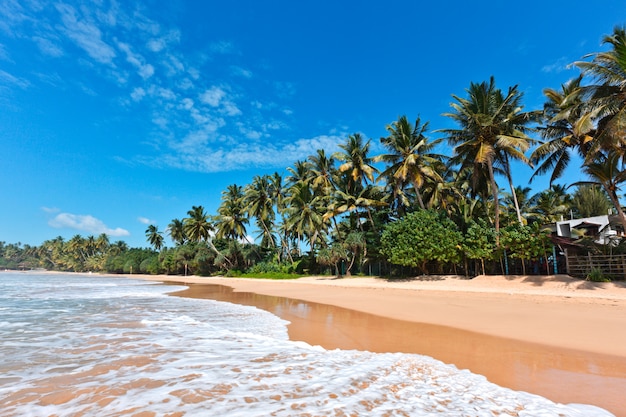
(557, 337)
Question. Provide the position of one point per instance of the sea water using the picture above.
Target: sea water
(88, 345)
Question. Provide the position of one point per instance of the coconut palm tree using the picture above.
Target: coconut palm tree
(176, 230)
(197, 226)
(410, 158)
(608, 170)
(492, 130)
(568, 130)
(356, 162)
(232, 217)
(154, 236)
(321, 172)
(259, 203)
(552, 205)
(304, 214)
(589, 201)
(606, 99)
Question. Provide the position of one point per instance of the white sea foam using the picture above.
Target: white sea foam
(113, 347)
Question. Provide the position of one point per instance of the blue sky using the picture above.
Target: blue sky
(115, 114)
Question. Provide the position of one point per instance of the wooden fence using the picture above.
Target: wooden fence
(613, 266)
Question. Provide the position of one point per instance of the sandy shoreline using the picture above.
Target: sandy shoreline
(552, 310)
(554, 336)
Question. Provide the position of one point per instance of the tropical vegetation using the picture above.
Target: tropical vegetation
(408, 210)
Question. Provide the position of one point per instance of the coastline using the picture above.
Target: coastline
(554, 336)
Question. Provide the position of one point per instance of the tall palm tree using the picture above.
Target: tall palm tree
(232, 219)
(568, 129)
(260, 205)
(176, 230)
(410, 159)
(197, 226)
(356, 162)
(154, 236)
(492, 130)
(321, 172)
(607, 98)
(304, 214)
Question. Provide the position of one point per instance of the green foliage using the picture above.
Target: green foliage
(479, 241)
(421, 237)
(596, 275)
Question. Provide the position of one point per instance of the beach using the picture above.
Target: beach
(553, 336)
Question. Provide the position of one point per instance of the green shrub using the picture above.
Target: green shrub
(596, 275)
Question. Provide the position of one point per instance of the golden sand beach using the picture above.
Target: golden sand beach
(555, 336)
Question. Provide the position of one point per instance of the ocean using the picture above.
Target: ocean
(90, 345)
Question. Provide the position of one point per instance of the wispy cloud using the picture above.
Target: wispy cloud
(145, 220)
(84, 223)
(560, 65)
(202, 112)
(85, 34)
(7, 78)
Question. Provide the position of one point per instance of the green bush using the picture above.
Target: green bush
(596, 275)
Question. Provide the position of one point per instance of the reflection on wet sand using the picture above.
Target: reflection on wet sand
(562, 375)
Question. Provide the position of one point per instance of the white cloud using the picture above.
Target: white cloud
(11, 79)
(145, 220)
(197, 153)
(48, 47)
(85, 34)
(213, 96)
(50, 209)
(84, 223)
(144, 70)
(138, 93)
(562, 64)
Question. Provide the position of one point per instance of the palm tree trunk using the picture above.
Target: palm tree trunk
(618, 206)
(513, 194)
(496, 202)
(419, 196)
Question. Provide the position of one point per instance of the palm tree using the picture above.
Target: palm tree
(304, 214)
(568, 128)
(607, 98)
(410, 159)
(356, 161)
(589, 201)
(259, 202)
(608, 171)
(231, 220)
(321, 172)
(492, 131)
(155, 237)
(553, 204)
(197, 227)
(176, 230)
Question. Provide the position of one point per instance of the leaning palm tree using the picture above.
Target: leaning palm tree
(410, 158)
(154, 236)
(492, 131)
(606, 99)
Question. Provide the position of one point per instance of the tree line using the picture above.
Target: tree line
(410, 209)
